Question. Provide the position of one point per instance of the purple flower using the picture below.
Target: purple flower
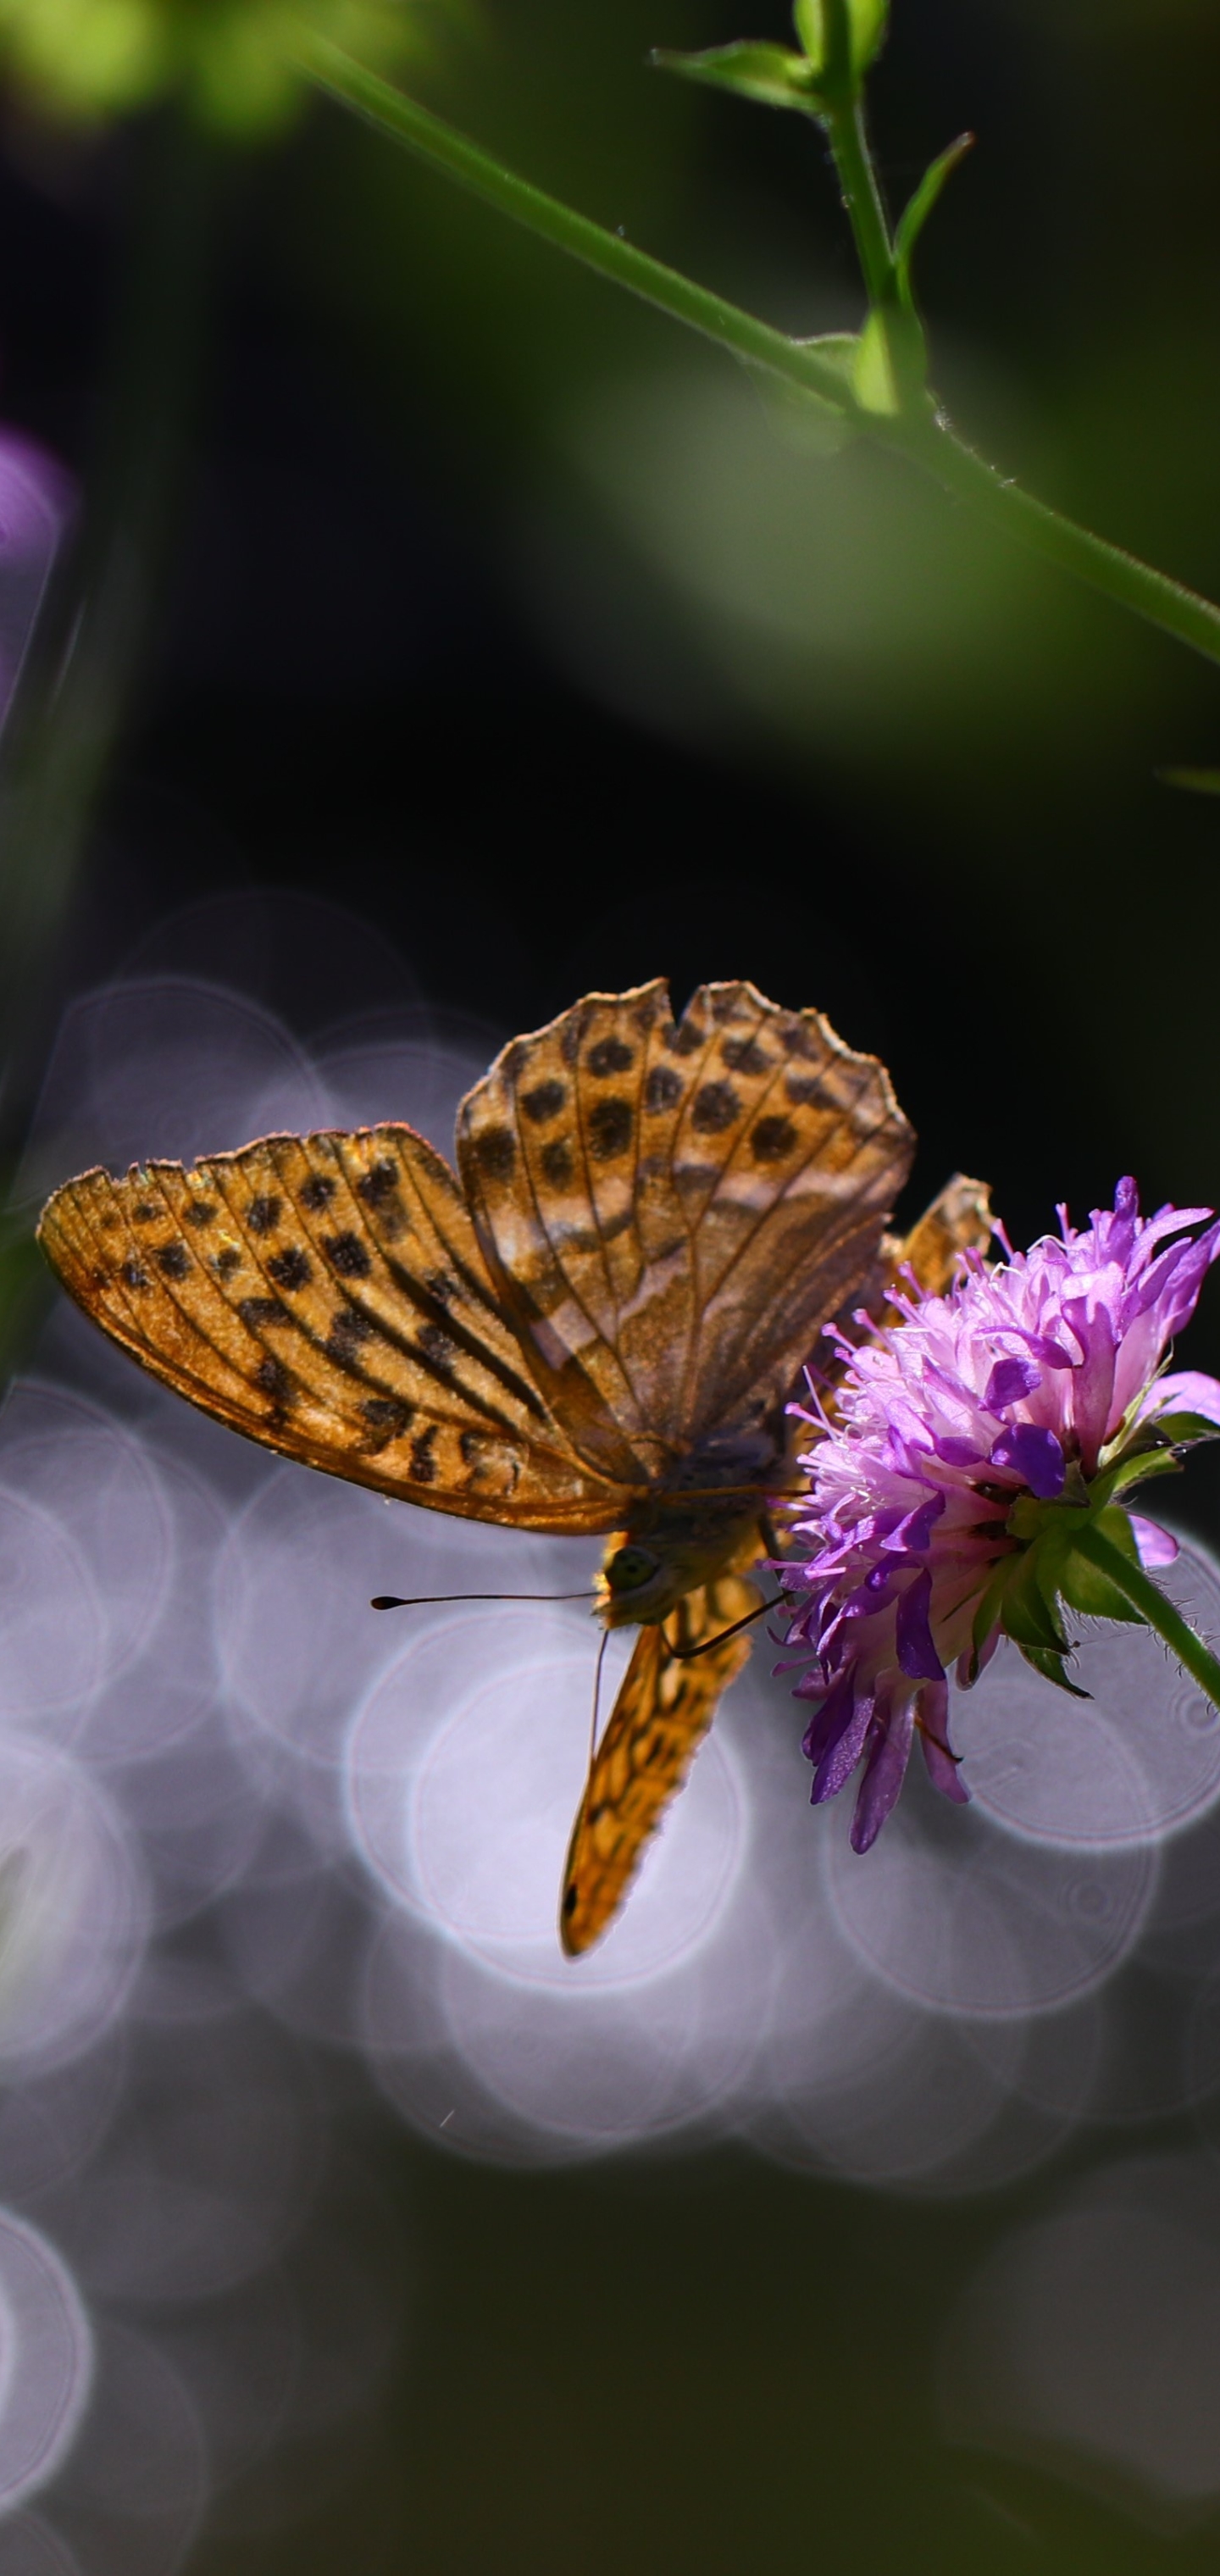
(966, 1478)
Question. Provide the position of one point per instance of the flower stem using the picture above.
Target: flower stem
(1153, 1607)
(926, 439)
(862, 198)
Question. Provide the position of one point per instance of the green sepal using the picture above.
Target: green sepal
(1135, 1470)
(891, 360)
(1050, 1666)
(819, 25)
(1085, 1587)
(918, 209)
(1030, 1609)
(770, 74)
(986, 1615)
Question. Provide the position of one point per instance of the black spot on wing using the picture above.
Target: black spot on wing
(772, 1139)
(423, 1468)
(495, 1152)
(387, 1412)
(290, 1268)
(347, 1255)
(715, 1108)
(611, 1128)
(744, 1055)
(610, 1055)
(316, 1191)
(274, 1379)
(378, 1183)
(663, 1088)
(263, 1214)
(174, 1260)
(258, 1312)
(544, 1102)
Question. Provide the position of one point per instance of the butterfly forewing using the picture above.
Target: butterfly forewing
(327, 1296)
(670, 1211)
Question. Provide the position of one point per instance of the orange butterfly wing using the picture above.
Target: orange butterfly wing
(326, 1295)
(663, 1711)
(671, 1211)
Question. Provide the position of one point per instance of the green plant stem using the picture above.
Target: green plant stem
(1153, 1607)
(925, 438)
(862, 199)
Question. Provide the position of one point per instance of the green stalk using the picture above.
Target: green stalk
(1153, 1607)
(924, 438)
(862, 199)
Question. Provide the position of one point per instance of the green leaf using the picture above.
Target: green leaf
(771, 74)
(1178, 1430)
(1051, 1668)
(912, 221)
(1198, 782)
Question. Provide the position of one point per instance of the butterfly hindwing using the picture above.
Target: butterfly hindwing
(327, 1296)
(664, 1708)
(671, 1210)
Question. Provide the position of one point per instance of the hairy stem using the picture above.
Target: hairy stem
(862, 199)
(1153, 1607)
(925, 439)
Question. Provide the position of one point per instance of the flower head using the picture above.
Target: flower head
(965, 1484)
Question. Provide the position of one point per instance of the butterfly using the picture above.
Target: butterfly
(594, 1330)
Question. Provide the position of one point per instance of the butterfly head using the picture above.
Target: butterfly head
(645, 1572)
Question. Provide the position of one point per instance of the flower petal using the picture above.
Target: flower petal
(1037, 1456)
(883, 1778)
(917, 1656)
(1187, 1391)
(1157, 1546)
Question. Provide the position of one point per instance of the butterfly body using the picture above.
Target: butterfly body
(593, 1330)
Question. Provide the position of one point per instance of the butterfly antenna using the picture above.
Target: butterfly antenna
(429, 1600)
(687, 1654)
(597, 1692)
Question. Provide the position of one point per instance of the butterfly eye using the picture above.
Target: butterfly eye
(629, 1567)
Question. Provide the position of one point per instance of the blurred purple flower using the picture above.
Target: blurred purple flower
(967, 1447)
(37, 502)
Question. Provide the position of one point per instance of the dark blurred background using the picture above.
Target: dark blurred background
(537, 637)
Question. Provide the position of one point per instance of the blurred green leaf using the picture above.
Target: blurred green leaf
(1198, 782)
(83, 62)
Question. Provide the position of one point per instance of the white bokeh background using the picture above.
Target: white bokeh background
(259, 1846)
